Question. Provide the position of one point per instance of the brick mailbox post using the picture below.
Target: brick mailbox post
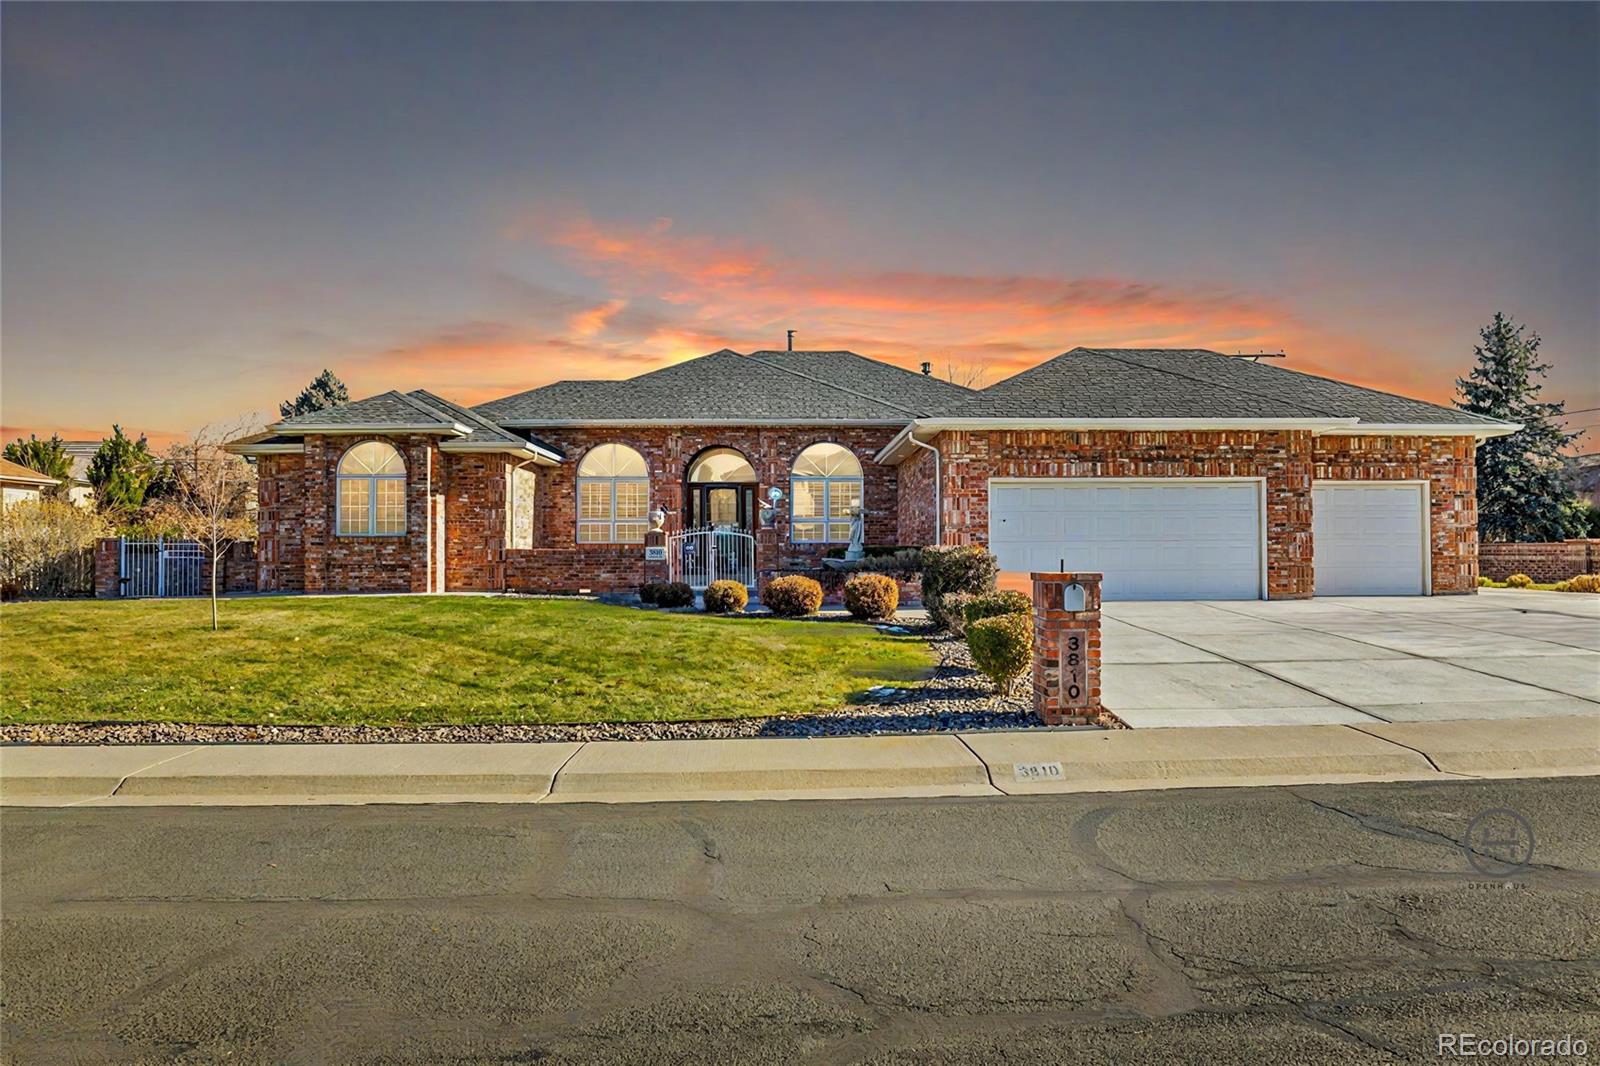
(1066, 648)
(656, 567)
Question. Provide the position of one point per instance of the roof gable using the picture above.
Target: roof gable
(387, 409)
(1191, 383)
(725, 386)
(17, 473)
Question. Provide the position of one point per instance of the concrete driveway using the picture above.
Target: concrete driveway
(1353, 660)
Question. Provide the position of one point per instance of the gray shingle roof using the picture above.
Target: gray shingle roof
(727, 386)
(1188, 383)
(871, 377)
(416, 408)
(839, 386)
(387, 408)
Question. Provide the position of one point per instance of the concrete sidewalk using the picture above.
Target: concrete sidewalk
(990, 763)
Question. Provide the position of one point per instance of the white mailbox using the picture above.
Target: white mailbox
(1072, 598)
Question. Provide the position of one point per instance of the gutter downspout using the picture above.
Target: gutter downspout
(510, 503)
(938, 488)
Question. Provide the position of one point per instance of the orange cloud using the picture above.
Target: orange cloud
(673, 296)
(588, 322)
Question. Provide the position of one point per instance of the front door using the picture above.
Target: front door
(721, 506)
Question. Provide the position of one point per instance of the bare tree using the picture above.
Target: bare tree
(214, 496)
(967, 375)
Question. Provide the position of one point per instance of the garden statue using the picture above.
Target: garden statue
(858, 526)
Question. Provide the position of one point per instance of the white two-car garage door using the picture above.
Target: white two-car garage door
(1172, 539)
(1367, 540)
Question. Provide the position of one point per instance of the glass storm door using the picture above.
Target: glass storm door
(720, 505)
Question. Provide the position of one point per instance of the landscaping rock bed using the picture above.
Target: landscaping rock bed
(954, 699)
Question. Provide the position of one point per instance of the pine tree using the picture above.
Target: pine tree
(122, 472)
(48, 457)
(325, 391)
(1524, 487)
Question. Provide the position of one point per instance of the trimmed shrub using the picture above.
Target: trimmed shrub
(674, 594)
(1002, 648)
(1561, 586)
(1584, 583)
(650, 593)
(1484, 583)
(793, 596)
(725, 597)
(955, 612)
(947, 570)
(995, 604)
(1519, 581)
(902, 562)
(871, 596)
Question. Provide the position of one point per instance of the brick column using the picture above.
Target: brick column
(107, 567)
(655, 569)
(1066, 648)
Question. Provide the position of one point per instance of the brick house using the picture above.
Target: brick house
(1178, 473)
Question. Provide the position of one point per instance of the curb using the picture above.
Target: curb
(970, 764)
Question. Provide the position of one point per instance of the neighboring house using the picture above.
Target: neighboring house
(1586, 477)
(1179, 474)
(19, 483)
(81, 452)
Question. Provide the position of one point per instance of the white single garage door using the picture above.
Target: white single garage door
(1173, 539)
(1367, 540)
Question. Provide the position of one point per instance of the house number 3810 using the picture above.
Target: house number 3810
(1074, 670)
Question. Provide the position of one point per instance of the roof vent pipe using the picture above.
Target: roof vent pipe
(927, 370)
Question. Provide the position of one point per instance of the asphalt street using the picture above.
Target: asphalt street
(1309, 924)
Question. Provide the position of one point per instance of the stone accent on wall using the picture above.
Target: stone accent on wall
(1449, 466)
(1545, 561)
(1283, 459)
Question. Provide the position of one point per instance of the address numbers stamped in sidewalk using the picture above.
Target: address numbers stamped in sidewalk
(1038, 771)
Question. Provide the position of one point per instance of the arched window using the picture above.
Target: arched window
(613, 496)
(721, 464)
(372, 491)
(825, 486)
(722, 490)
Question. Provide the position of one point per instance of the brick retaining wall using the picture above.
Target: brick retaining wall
(1544, 562)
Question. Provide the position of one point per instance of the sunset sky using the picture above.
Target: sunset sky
(204, 205)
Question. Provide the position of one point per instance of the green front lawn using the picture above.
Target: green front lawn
(387, 660)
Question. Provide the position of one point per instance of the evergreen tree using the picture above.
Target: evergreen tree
(1524, 486)
(325, 391)
(48, 457)
(122, 472)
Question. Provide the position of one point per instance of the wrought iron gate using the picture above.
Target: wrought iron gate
(161, 567)
(698, 557)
